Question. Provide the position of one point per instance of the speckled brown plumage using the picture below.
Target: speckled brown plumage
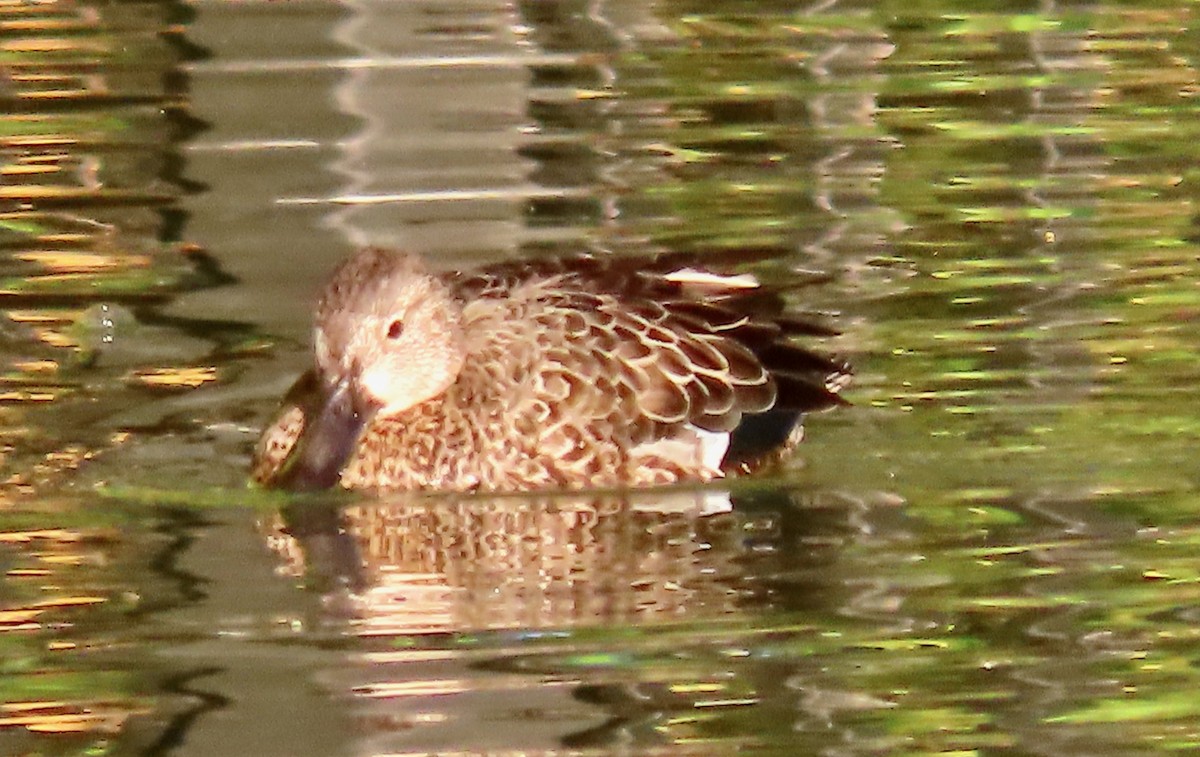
(564, 372)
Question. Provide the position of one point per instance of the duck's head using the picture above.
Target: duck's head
(387, 337)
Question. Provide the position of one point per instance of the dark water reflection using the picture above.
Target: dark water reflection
(993, 551)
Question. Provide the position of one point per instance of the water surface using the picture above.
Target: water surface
(992, 551)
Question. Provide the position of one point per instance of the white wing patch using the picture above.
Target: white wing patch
(708, 279)
(691, 448)
(713, 446)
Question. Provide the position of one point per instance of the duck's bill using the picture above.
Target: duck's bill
(332, 426)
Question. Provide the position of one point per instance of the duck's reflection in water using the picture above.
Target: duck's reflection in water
(409, 564)
(539, 623)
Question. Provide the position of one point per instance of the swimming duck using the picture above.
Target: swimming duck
(567, 372)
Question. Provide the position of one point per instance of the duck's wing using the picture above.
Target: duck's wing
(681, 360)
(632, 365)
(690, 294)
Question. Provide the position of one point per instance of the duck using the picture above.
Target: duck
(566, 372)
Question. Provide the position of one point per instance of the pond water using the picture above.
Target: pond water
(994, 550)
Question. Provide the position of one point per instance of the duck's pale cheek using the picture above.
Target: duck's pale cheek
(396, 388)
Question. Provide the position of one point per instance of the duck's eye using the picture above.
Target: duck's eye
(395, 329)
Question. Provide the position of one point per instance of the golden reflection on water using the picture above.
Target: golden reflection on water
(44, 598)
(175, 378)
(83, 139)
(66, 717)
(83, 143)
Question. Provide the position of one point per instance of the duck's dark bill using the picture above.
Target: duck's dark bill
(331, 430)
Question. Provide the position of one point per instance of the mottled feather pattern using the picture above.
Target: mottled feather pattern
(277, 443)
(586, 371)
